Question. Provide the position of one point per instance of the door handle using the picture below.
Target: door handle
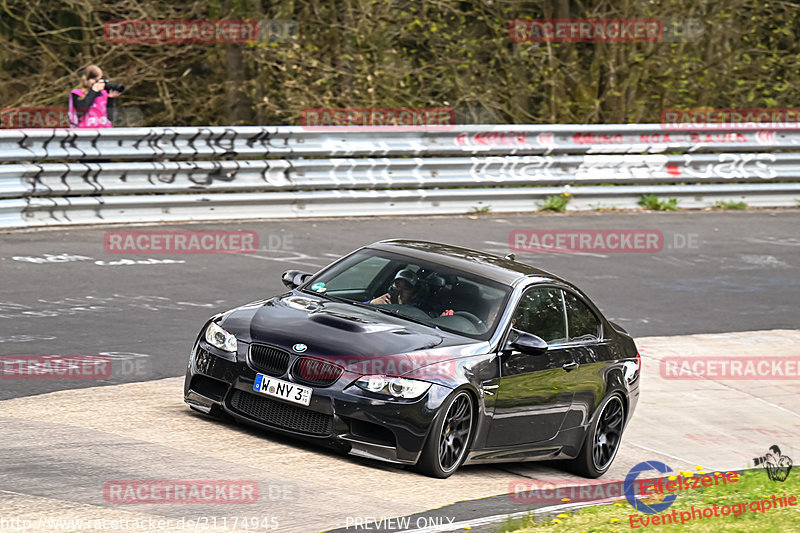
(570, 366)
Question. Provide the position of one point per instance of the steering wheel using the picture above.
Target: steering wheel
(477, 322)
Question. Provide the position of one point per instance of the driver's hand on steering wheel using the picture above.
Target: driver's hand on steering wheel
(383, 299)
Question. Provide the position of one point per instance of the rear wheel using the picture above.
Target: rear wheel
(447, 443)
(602, 440)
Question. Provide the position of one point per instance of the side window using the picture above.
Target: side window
(583, 325)
(359, 276)
(541, 312)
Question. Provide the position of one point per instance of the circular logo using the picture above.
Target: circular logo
(629, 492)
(299, 347)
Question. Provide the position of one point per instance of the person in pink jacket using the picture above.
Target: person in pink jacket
(91, 105)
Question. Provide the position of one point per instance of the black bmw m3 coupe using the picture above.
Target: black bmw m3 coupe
(425, 354)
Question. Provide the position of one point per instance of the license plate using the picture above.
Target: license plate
(284, 390)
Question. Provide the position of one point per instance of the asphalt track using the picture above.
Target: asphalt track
(719, 272)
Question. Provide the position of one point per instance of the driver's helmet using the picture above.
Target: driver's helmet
(407, 275)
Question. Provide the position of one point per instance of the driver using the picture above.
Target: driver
(405, 283)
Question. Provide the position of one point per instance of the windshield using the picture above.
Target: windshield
(428, 293)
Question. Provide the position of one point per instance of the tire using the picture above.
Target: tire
(449, 439)
(602, 440)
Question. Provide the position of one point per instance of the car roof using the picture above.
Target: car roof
(484, 264)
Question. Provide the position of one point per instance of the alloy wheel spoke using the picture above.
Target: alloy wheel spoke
(607, 434)
(455, 432)
(456, 409)
(614, 421)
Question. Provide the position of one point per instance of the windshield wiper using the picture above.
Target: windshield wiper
(392, 312)
(332, 297)
(340, 299)
(397, 313)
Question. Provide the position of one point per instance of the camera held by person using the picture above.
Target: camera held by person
(113, 86)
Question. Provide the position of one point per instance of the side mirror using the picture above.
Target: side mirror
(526, 342)
(294, 278)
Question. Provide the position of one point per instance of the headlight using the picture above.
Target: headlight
(219, 338)
(396, 387)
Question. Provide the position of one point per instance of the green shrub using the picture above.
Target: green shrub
(651, 201)
(722, 204)
(556, 203)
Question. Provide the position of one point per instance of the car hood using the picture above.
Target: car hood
(330, 328)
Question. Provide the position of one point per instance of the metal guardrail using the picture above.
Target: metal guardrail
(51, 179)
(170, 174)
(164, 144)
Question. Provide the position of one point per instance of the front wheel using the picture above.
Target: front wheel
(602, 440)
(448, 441)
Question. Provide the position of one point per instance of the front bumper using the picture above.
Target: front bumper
(341, 415)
